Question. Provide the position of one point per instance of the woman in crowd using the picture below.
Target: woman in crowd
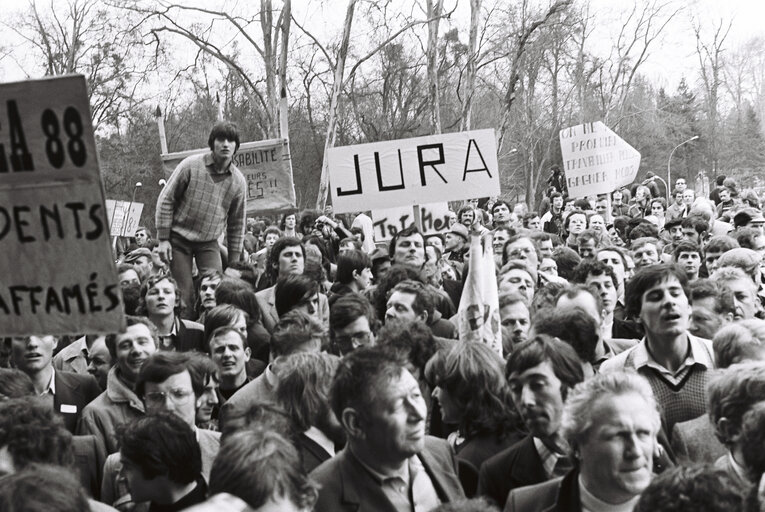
(469, 383)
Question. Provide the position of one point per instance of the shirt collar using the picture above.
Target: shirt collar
(51, 389)
(740, 471)
(549, 458)
(320, 438)
(697, 354)
(380, 478)
(209, 162)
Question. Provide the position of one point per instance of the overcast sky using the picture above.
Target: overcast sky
(673, 58)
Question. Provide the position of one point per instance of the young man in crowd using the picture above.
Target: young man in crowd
(66, 393)
(230, 353)
(119, 404)
(688, 255)
(675, 362)
(204, 197)
(540, 372)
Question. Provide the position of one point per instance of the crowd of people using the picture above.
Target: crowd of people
(296, 364)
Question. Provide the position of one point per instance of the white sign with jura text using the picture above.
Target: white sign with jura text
(596, 160)
(433, 217)
(436, 168)
(56, 263)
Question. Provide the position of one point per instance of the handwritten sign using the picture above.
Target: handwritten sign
(124, 217)
(446, 167)
(267, 167)
(596, 160)
(388, 222)
(57, 268)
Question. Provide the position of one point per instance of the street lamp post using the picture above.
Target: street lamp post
(669, 168)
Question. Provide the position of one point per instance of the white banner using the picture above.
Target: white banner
(436, 168)
(388, 222)
(596, 160)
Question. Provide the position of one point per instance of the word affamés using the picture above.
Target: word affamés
(74, 299)
(46, 222)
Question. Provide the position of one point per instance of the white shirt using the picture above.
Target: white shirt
(320, 438)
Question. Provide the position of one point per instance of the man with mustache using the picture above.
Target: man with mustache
(119, 404)
(610, 423)
(540, 372)
(674, 361)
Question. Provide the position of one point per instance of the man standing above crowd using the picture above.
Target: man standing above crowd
(204, 195)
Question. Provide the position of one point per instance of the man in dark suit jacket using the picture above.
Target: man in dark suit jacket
(68, 393)
(303, 392)
(72, 393)
(539, 371)
(388, 462)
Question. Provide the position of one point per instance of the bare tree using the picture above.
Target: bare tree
(710, 54)
(528, 28)
(342, 80)
(86, 37)
(639, 33)
(218, 34)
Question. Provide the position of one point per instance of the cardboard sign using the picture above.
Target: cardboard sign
(267, 167)
(446, 167)
(388, 222)
(596, 160)
(56, 263)
(121, 221)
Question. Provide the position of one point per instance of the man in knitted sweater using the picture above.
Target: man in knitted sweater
(204, 195)
(674, 361)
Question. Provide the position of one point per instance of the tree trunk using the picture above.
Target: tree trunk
(337, 86)
(469, 91)
(285, 37)
(434, 95)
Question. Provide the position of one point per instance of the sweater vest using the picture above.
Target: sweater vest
(682, 402)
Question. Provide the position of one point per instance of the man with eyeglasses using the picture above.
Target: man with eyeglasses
(168, 382)
(351, 320)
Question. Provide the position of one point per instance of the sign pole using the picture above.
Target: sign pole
(161, 126)
(418, 217)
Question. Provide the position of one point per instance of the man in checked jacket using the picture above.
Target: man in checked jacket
(204, 195)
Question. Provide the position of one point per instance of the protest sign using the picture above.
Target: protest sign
(446, 167)
(388, 222)
(596, 160)
(267, 167)
(121, 221)
(57, 268)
